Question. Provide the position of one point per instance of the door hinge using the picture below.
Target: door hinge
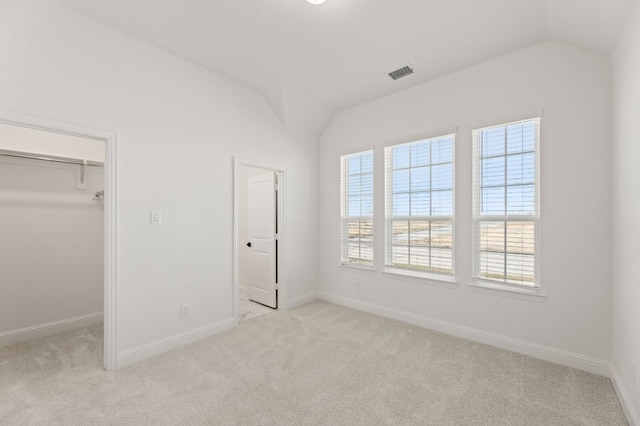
(277, 237)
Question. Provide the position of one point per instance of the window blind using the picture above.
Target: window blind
(356, 193)
(506, 203)
(419, 201)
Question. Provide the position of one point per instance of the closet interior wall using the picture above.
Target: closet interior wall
(51, 248)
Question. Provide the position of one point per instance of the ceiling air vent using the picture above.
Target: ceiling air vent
(401, 72)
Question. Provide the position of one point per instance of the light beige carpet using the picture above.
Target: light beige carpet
(319, 364)
(249, 309)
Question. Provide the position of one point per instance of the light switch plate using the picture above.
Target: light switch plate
(156, 217)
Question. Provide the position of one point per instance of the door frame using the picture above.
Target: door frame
(110, 226)
(281, 175)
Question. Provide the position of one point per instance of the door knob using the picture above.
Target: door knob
(249, 244)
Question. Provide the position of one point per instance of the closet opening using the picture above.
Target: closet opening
(57, 233)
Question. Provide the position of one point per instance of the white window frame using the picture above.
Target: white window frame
(447, 278)
(344, 214)
(504, 287)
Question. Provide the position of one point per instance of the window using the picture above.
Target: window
(356, 171)
(419, 206)
(506, 203)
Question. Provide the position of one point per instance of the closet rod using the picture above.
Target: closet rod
(44, 157)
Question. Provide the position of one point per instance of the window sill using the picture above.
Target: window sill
(448, 281)
(488, 287)
(358, 268)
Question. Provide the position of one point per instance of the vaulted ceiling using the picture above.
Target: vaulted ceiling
(338, 53)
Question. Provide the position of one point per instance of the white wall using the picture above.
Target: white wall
(626, 211)
(51, 250)
(178, 128)
(24, 139)
(573, 88)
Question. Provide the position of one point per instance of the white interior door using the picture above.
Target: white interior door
(261, 226)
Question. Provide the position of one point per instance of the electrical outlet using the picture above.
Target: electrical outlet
(356, 285)
(156, 217)
(184, 311)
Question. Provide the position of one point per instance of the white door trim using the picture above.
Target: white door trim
(281, 173)
(110, 184)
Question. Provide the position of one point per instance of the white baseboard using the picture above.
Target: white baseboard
(301, 300)
(558, 356)
(43, 330)
(625, 399)
(172, 342)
